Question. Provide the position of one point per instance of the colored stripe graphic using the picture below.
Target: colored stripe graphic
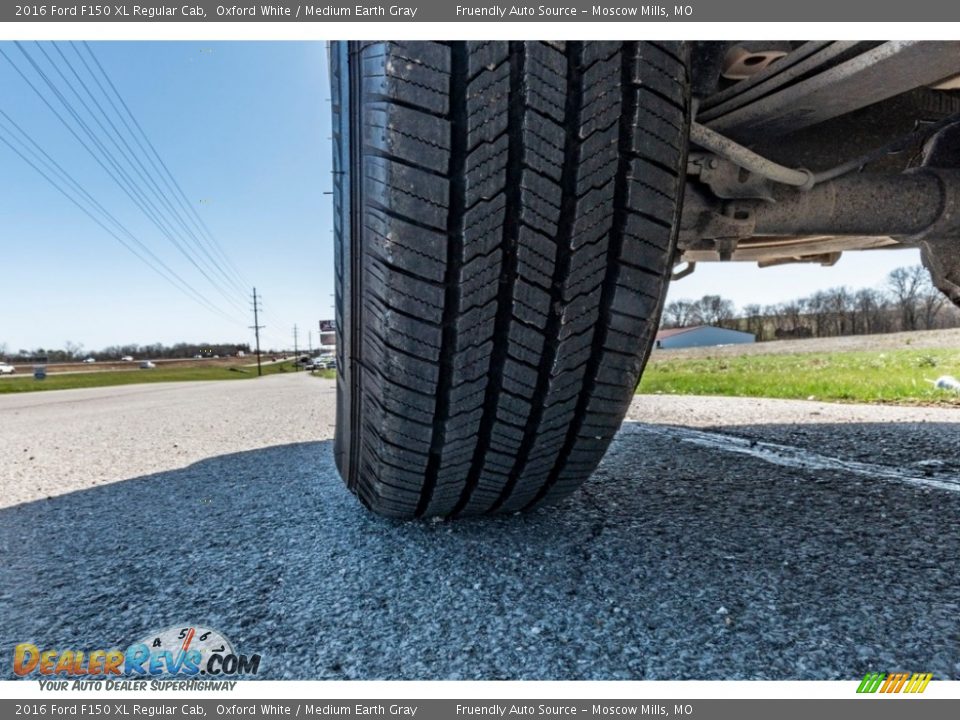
(921, 683)
(894, 683)
(871, 682)
(889, 683)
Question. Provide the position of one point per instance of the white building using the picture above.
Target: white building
(700, 336)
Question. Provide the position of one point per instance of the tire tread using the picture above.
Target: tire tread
(518, 205)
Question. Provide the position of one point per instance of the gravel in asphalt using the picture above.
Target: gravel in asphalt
(219, 504)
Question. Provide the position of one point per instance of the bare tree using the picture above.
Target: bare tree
(930, 302)
(72, 350)
(775, 314)
(754, 320)
(818, 310)
(678, 313)
(794, 313)
(838, 304)
(909, 302)
(871, 307)
(905, 284)
(714, 310)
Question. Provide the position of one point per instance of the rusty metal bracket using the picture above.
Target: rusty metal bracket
(941, 257)
(688, 270)
(728, 180)
(940, 244)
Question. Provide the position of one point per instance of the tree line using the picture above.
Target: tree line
(75, 352)
(907, 301)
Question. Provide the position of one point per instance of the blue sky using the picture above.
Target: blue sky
(244, 128)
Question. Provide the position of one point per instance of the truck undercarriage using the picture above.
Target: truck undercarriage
(802, 151)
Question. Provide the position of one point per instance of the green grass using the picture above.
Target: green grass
(326, 374)
(894, 376)
(69, 381)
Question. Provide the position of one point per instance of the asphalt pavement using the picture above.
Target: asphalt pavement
(720, 539)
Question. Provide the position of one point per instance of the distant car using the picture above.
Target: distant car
(127, 358)
(6, 369)
(198, 357)
(147, 365)
(322, 362)
(90, 360)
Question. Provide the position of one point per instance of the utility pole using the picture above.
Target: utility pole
(257, 327)
(310, 343)
(296, 352)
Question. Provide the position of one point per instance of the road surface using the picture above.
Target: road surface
(720, 539)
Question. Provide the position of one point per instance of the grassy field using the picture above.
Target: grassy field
(67, 381)
(888, 376)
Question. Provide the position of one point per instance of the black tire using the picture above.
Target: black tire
(506, 218)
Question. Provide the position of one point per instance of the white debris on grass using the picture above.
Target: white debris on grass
(947, 382)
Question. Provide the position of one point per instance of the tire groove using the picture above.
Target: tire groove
(391, 213)
(568, 212)
(660, 94)
(372, 151)
(355, 214)
(400, 270)
(629, 101)
(384, 302)
(455, 247)
(508, 271)
(399, 102)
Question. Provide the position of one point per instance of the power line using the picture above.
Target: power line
(182, 214)
(265, 312)
(128, 153)
(257, 327)
(157, 163)
(296, 350)
(173, 180)
(167, 273)
(128, 185)
(41, 156)
(114, 166)
(273, 317)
